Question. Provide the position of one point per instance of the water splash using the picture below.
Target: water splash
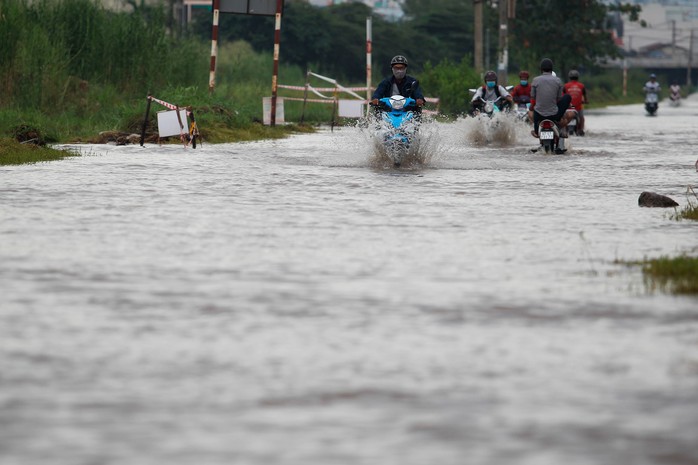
(501, 130)
(425, 146)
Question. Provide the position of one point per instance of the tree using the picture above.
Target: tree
(450, 81)
(347, 26)
(439, 29)
(306, 39)
(571, 33)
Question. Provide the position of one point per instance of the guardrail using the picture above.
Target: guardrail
(355, 107)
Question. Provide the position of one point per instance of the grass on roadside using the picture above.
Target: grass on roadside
(16, 153)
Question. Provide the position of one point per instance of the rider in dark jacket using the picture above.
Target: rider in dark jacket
(398, 83)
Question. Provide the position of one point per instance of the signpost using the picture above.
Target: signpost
(249, 7)
(369, 44)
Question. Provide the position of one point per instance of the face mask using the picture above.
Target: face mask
(490, 84)
(399, 73)
(523, 83)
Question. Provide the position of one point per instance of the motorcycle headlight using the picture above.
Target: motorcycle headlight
(397, 104)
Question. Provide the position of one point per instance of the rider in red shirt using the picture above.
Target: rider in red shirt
(578, 92)
(522, 92)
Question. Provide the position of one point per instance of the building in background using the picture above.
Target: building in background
(665, 42)
(665, 39)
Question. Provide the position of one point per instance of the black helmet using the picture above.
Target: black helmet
(491, 76)
(546, 65)
(574, 74)
(398, 60)
(653, 76)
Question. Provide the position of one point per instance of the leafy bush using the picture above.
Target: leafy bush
(450, 82)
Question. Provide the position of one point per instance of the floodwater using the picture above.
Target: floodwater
(293, 302)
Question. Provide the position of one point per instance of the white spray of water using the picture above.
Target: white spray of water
(424, 147)
(502, 130)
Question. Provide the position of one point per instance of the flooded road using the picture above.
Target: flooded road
(287, 302)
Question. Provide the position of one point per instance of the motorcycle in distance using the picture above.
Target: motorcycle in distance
(675, 96)
(491, 107)
(522, 107)
(574, 122)
(651, 103)
(398, 122)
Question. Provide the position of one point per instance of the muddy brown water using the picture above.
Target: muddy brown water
(293, 302)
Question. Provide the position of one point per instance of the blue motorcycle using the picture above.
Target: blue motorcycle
(398, 124)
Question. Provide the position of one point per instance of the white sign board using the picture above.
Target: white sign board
(266, 108)
(351, 109)
(168, 124)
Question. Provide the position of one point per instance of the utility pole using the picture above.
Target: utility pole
(690, 62)
(214, 46)
(477, 10)
(277, 44)
(507, 11)
(369, 54)
(487, 48)
(503, 60)
(673, 37)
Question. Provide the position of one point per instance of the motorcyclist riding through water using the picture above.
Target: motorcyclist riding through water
(675, 92)
(579, 97)
(489, 92)
(547, 100)
(522, 91)
(652, 86)
(652, 89)
(400, 83)
(522, 95)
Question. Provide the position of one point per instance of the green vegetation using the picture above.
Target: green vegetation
(72, 69)
(674, 275)
(678, 275)
(451, 82)
(437, 37)
(16, 153)
(576, 27)
(690, 211)
(331, 39)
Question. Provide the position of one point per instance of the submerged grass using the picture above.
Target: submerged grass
(690, 211)
(673, 275)
(678, 275)
(16, 153)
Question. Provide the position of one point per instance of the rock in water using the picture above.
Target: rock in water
(652, 199)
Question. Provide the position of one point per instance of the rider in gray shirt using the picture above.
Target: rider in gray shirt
(547, 100)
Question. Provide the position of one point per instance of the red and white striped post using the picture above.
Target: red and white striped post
(275, 76)
(369, 34)
(214, 45)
